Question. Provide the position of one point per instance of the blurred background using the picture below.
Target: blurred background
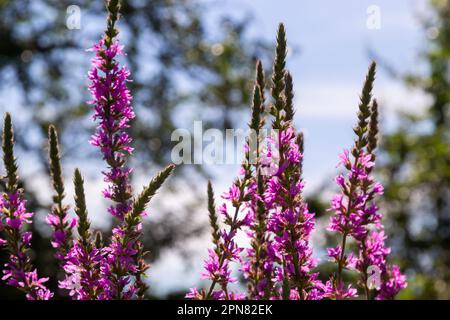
(194, 60)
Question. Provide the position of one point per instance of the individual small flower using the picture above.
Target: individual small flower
(194, 294)
(216, 270)
(394, 281)
(334, 253)
(373, 256)
(60, 237)
(340, 292)
(233, 194)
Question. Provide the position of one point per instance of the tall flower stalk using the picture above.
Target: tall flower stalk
(290, 222)
(14, 218)
(356, 214)
(113, 110)
(123, 266)
(217, 266)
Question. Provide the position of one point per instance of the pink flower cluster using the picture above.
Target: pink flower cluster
(357, 216)
(84, 280)
(287, 259)
(217, 267)
(112, 104)
(18, 271)
(62, 226)
(290, 224)
(279, 263)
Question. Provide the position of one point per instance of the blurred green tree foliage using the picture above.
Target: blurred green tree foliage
(415, 166)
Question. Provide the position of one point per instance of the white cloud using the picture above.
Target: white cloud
(340, 100)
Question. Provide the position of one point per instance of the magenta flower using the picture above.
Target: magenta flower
(118, 265)
(82, 268)
(217, 267)
(122, 266)
(113, 110)
(14, 217)
(18, 271)
(60, 236)
(112, 105)
(217, 271)
(291, 224)
(356, 214)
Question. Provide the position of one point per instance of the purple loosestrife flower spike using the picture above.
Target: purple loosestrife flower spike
(58, 218)
(112, 104)
(19, 271)
(356, 214)
(216, 239)
(125, 255)
(123, 264)
(83, 259)
(217, 267)
(290, 221)
(372, 250)
(291, 225)
(347, 205)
